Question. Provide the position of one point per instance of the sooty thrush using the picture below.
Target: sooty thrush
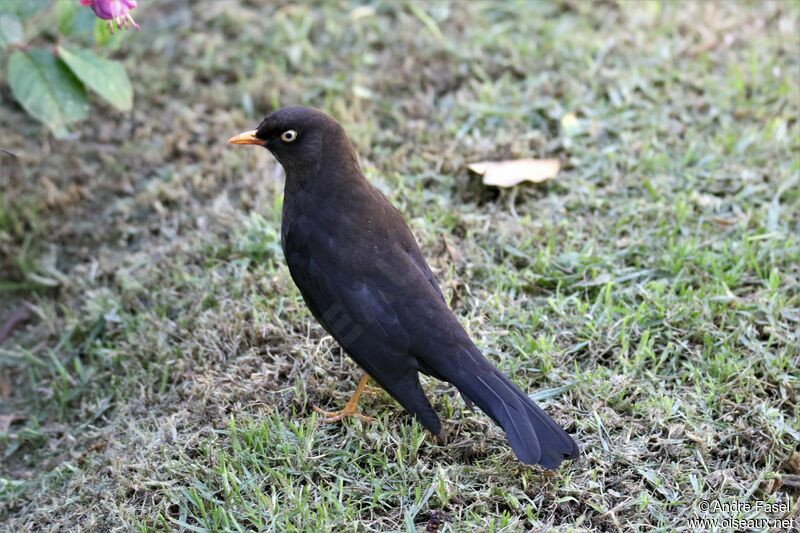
(362, 275)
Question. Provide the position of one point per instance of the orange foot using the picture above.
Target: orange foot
(335, 416)
(350, 408)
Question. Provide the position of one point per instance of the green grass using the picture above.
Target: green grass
(649, 296)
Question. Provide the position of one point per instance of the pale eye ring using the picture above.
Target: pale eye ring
(289, 136)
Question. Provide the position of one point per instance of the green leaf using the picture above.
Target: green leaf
(46, 88)
(107, 78)
(74, 19)
(10, 30)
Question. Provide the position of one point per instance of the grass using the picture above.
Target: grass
(649, 296)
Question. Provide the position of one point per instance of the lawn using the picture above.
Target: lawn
(648, 297)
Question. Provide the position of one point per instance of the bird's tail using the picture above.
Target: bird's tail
(534, 436)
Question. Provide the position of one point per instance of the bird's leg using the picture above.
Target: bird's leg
(350, 407)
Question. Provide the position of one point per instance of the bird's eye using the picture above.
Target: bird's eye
(289, 136)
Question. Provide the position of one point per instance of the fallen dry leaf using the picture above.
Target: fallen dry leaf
(514, 172)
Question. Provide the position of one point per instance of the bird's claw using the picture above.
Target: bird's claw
(330, 417)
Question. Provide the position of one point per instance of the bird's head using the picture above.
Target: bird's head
(296, 136)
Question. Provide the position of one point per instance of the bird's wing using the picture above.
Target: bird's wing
(356, 303)
(419, 261)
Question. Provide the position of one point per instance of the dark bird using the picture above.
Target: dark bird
(362, 275)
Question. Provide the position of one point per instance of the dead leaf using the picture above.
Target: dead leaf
(514, 172)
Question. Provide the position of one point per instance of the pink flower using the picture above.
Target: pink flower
(113, 11)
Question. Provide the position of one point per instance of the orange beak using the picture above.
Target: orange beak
(248, 137)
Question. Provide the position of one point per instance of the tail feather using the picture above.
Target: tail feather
(534, 437)
(567, 442)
